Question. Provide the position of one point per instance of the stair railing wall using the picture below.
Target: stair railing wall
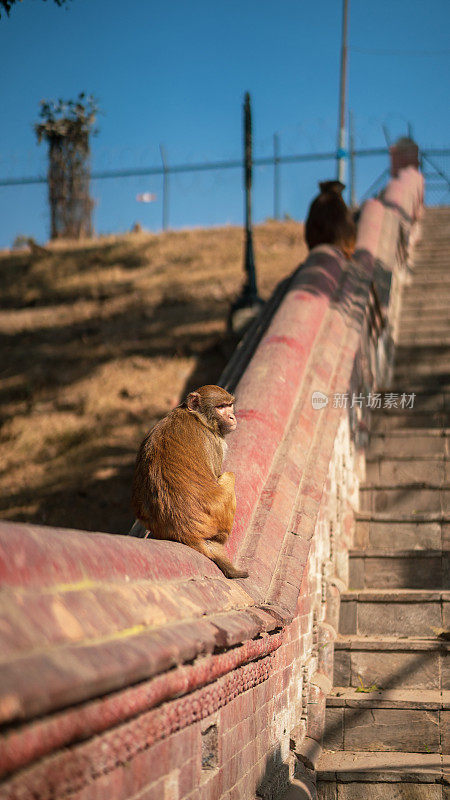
(132, 668)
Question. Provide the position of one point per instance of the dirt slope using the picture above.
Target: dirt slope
(100, 339)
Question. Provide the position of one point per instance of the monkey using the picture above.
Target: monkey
(179, 491)
(329, 219)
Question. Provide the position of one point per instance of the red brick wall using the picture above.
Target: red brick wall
(132, 668)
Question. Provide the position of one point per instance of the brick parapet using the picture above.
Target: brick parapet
(126, 663)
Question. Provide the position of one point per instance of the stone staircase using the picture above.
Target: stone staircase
(388, 715)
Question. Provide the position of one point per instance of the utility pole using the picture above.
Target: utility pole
(341, 151)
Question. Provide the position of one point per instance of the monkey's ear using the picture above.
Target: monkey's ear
(193, 401)
(335, 187)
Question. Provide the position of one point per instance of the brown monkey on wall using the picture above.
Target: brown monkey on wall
(179, 491)
(330, 221)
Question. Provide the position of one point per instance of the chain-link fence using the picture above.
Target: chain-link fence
(436, 169)
(209, 193)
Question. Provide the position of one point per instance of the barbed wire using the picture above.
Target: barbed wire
(387, 52)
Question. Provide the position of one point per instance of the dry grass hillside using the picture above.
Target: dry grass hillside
(98, 341)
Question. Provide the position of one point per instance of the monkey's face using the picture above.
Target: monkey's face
(216, 406)
(227, 419)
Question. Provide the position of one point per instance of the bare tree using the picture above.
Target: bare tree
(8, 4)
(66, 126)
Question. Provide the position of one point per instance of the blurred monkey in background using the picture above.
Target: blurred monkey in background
(330, 221)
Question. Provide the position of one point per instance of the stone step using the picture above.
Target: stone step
(431, 444)
(422, 296)
(401, 720)
(352, 775)
(423, 373)
(430, 358)
(435, 242)
(429, 255)
(433, 231)
(397, 401)
(433, 219)
(408, 498)
(418, 319)
(388, 421)
(405, 612)
(429, 531)
(424, 329)
(417, 339)
(435, 235)
(416, 382)
(424, 322)
(427, 294)
(423, 293)
(434, 248)
(423, 319)
(428, 297)
(421, 289)
(428, 272)
(410, 323)
(433, 356)
(433, 225)
(423, 364)
(425, 342)
(402, 569)
(437, 250)
(422, 378)
(430, 279)
(439, 327)
(406, 470)
(425, 263)
(434, 260)
(435, 353)
(439, 315)
(410, 382)
(392, 662)
(428, 260)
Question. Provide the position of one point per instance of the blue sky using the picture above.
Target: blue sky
(175, 72)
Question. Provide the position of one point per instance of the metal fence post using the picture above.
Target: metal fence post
(352, 162)
(276, 176)
(341, 152)
(165, 208)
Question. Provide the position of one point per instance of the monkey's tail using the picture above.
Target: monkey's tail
(215, 551)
